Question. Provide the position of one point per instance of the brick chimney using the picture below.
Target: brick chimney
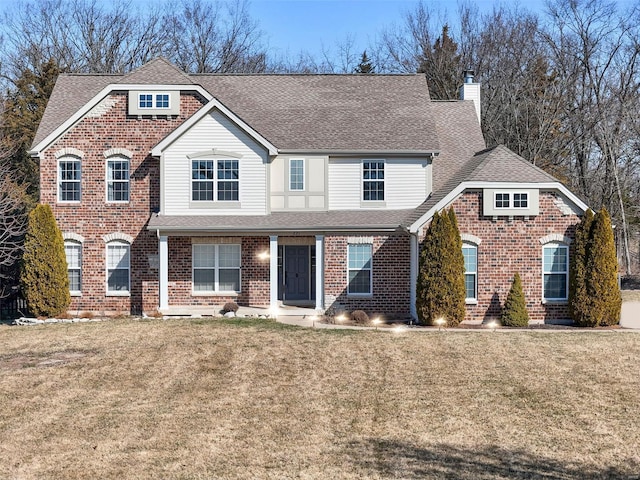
(470, 90)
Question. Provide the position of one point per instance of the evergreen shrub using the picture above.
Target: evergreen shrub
(514, 312)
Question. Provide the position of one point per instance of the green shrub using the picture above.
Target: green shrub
(514, 311)
(440, 289)
(44, 278)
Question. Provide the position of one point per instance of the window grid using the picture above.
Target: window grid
(373, 181)
(216, 268)
(118, 265)
(502, 200)
(202, 178)
(228, 180)
(145, 100)
(359, 269)
(520, 200)
(296, 174)
(118, 180)
(470, 253)
(69, 176)
(555, 270)
(162, 100)
(73, 253)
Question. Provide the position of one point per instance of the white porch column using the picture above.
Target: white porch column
(163, 272)
(415, 260)
(273, 274)
(319, 272)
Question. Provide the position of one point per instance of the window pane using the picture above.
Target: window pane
(373, 181)
(145, 101)
(360, 281)
(74, 281)
(73, 252)
(118, 256)
(520, 200)
(470, 285)
(229, 280)
(204, 256)
(296, 174)
(228, 191)
(69, 175)
(360, 256)
(204, 280)
(119, 280)
(162, 100)
(470, 259)
(118, 180)
(555, 285)
(229, 256)
(555, 258)
(502, 200)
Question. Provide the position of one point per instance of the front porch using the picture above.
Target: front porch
(272, 276)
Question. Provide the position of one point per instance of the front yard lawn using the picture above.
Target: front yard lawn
(254, 399)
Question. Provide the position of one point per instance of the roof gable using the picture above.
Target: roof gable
(157, 72)
(499, 164)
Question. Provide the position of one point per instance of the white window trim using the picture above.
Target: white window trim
(304, 172)
(154, 101)
(384, 180)
(140, 94)
(495, 200)
(514, 200)
(566, 273)
(472, 300)
(511, 198)
(116, 158)
(215, 182)
(117, 293)
(216, 270)
(75, 243)
(360, 294)
(69, 158)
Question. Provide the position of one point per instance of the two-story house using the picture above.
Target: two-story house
(175, 191)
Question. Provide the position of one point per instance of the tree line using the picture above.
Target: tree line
(559, 87)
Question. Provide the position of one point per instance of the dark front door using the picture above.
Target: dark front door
(296, 272)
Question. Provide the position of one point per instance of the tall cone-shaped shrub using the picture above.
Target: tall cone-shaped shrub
(602, 274)
(579, 301)
(44, 278)
(514, 311)
(440, 290)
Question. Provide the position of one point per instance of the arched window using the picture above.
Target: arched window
(69, 178)
(470, 253)
(118, 178)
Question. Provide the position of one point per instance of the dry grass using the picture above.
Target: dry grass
(221, 399)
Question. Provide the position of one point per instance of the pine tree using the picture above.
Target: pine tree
(441, 66)
(579, 301)
(440, 289)
(44, 278)
(602, 273)
(514, 312)
(365, 65)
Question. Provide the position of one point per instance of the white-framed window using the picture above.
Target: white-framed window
(215, 179)
(150, 100)
(555, 272)
(373, 180)
(69, 178)
(296, 174)
(73, 253)
(118, 179)
(502, 200)
(118, 267)
(216, 267)
(521, 200)
(470, 253)
(359, 269)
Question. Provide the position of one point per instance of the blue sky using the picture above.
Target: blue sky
(294, 25)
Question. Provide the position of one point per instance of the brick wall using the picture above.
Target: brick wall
(509, 246)
(391, 276)
(105, 128)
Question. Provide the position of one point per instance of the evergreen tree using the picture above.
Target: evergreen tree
(44, 278)
(23, 109)
(579, 301)
(440, 289)
(441, 66)
(602, 273)
(365, 65)
(514, 312)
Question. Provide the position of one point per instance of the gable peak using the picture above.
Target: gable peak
(157, 71)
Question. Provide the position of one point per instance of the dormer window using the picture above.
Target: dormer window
(154, 103)
(502, 200)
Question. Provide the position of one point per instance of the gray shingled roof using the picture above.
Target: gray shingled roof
(499, 164)
(337, 220)
(293, 112)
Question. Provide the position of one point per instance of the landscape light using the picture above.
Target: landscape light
(376, 321)
(264, 255)
(492, 325)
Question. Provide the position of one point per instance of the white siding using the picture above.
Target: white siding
(407, 183)
(214, 131)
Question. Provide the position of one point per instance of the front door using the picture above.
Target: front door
(296, 274)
